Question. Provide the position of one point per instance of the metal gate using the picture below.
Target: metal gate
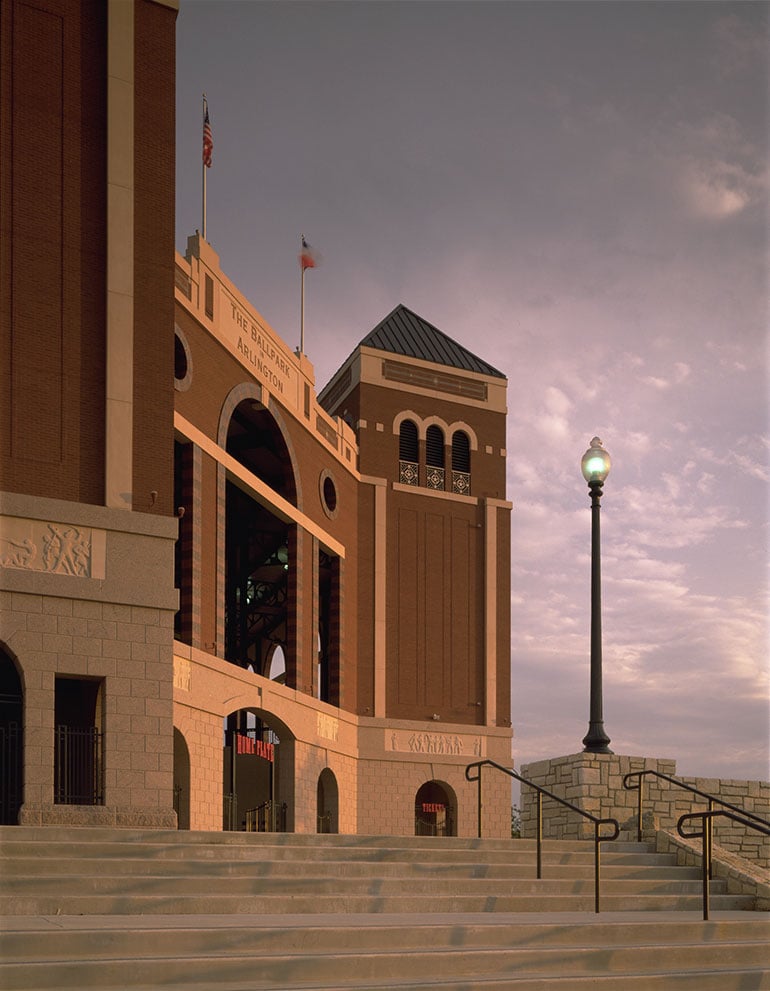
(78, 778)
(11, 764)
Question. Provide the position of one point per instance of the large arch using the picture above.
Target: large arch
(258, 771)
(259, 547)
(246, 403)
(11, 738)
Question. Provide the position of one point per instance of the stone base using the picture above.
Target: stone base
(97, 815)
(592, 782)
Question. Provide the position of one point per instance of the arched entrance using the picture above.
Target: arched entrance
(435, 810)
(259, 545)
(258, 772)
(181, 781)
(328, 803)
(11, 741)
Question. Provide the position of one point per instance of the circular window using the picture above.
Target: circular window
(328, 491)
(182, 362)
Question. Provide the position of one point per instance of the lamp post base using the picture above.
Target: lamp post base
(595, 741)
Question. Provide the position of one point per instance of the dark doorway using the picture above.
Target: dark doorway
(11, 742)
(252, 786)
(78, 760)
(435, 812)
(181, 781)
(328, 803)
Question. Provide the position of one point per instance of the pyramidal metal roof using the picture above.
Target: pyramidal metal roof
(404, 332)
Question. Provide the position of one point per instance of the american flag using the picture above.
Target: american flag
(208, 141)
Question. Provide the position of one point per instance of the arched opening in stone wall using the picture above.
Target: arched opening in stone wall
(11, 741)
(258, 769)
(181, 781)
(328, 808)
(435, 810)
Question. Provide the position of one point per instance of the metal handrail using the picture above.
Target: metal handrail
(707, 820)
(598, 823)
(681, 784)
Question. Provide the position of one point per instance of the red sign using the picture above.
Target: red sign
(248, 745)
(433, 807)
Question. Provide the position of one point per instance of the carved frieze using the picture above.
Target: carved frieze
(437, 744)
(53, 548)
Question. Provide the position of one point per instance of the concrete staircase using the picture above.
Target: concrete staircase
(129, 909)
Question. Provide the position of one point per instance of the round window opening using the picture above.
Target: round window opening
(329, 494)
(180, 358)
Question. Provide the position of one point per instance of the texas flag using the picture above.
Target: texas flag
(308, 257)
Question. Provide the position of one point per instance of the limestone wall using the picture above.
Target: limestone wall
(594, 782)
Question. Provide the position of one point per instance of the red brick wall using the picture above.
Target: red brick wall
(52, 242)
(154, 165)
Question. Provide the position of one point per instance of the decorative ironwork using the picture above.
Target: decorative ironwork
(408, 473)
(229, 812)
(269, 817)
(10, 773)
(461, 482)
(433, 823)
(79, 778)
(324, 823)
(435, 478)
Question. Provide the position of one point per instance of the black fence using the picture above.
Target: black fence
(11, 763)
(79, 766)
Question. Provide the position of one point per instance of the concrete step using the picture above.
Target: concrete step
(112, 910)
(96, 870)
(304, 903)
(170, 837)
(373, 885)
(397, 953)
(219, 867)
(258, 846)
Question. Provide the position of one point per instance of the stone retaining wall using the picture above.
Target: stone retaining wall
(594, 782)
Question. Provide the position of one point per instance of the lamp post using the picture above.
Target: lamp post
(595, 466)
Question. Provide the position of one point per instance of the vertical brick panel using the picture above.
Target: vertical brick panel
(154, 165)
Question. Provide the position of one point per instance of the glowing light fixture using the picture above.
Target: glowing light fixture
(595, 463)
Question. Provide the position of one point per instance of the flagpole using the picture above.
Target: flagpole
(302, 299)
(203, 178)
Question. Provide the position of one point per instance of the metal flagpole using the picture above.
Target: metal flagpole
(203, 177)
(302, 297)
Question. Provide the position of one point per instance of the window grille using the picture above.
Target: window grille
(461, 463)
(434, 458)
(408, 454)
(79, 763)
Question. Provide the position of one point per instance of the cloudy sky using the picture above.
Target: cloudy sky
(578, 193)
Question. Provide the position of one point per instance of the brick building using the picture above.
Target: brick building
(227, 600)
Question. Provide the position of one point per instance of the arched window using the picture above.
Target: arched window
(408, 453)
(461, 463)
(434, 458)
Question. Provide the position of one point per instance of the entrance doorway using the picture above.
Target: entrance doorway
(258, 758)
(11, 742)
(328, 803)
(435, 810)
(181, 781)
(79, 754)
